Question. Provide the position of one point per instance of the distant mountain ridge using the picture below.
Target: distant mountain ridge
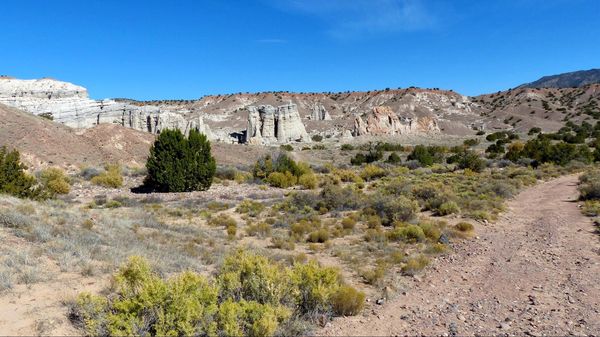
(575, 79)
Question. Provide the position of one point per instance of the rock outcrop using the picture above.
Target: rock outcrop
(70, 105)
(382, 121)
(319, 113)
(269, 125)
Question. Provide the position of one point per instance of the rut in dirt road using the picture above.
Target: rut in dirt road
(535, 271)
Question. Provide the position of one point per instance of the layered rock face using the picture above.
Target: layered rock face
(70, 105)
(382, 121)
(267, 125)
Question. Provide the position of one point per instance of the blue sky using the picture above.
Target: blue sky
(189, 48)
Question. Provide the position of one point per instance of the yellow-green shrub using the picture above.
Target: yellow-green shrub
(314, 286)
(348, 301)
(110, 178)
(253, 278)
(250, 207)
(464, 227)
(371, 172)
(308, 181)
(55, 181)
(282, 180)
(410, 233)
(250, 318)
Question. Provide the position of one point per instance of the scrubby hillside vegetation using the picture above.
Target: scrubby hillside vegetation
(276, 246)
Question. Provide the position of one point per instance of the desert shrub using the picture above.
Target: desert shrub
(111, 177)
(372, 156)
(591, 208)
(88, 173)
(427, 155)
(394, 158)
(283, 243)
(287, 147)
(145, 304)
(467, 160)
(282, 180)
(253, 277)
(534, 131)
(589, 186)
(348, 223)
(226, 173)
(410, 234)
(314, 286)
(317, 138)
(308, 181)
(431, 231)
(471, 142)
(222, 220)
(347, 176)
(449, 207)
(391, 209)
(334, 197)
(261, 229)
(13, 177)
(371, 172)
(250, 207)
(180, 164)
(347, 147)
(348, 301)
(250, 318)
(319, 236)
(415, 264)
(375, 275)
(54, 181)
(464, 227)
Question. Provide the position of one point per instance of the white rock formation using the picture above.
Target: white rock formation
(383, 121)
(268, 125)
(319, 113)
(69, 104)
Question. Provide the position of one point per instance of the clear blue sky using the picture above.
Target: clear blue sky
(189, 48)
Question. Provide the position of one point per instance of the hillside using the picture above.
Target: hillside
(575, 79)
(42, 142)
(547, 108)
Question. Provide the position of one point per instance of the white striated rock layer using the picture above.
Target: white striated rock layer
(69, 104)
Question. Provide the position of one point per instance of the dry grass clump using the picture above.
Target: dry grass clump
(591, 208)
(250, 207)
(415, 264)
(260, 229)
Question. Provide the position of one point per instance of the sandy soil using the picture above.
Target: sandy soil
(535, 272)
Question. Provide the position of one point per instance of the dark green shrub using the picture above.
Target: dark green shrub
(471, 142)
(317, 138)
(534, 131)
(179, 164)
(394, 158)
(467, 160)
(347, 147)
(13, 178)
(287, 147)
(427, 155)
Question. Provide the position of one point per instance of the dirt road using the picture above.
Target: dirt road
(535, 271)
